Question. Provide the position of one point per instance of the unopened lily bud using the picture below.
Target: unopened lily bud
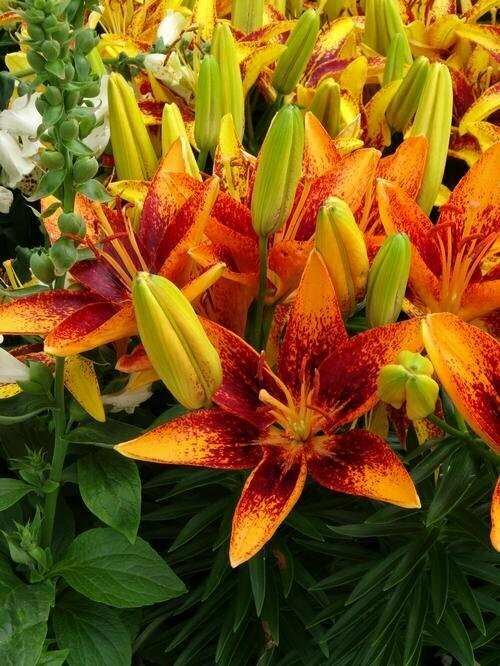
(175, 341)
(433, 120)
(173, 128)
(341, 243)
(208, 107)
(233, 99)
(278, 171)
(133, 152)
(333, 8)
(299, 46)
(387, 280)
(404, 104)
(410, 381)
(395, 60)
(382, 22)
(247, 15)
(326, 106)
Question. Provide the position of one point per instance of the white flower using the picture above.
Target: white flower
(18, 142)
(6, 199)
(98, 139)
(128, 399)
(11, 369)
(178, 77)
(171, 28)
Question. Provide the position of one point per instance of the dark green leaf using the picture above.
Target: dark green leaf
(375, 529)
(257, 572)
(104, 434)
(271, 609)
(53, 658)
(8, 579)
(23, 621)
(103, 566)
(7, 82)
(453, 485)
(93, 633)
(304, 525)
(11, 491)
(110, 487)
(219, 568)
(49, 183)
(285, 562)
(22, 407)
(432, 461)
(463, 593)
(417, 612)
(487, 572)
(462, 645)
(199, 522)
(438, 559)
(242, 599)
(376, 575)
(344, 575)
(415, 553)
(78, 148)
(94, 190)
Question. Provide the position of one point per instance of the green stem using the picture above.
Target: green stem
(256, 334)
(460, 422)
(59, 455)
(446, 427)
(202, 159)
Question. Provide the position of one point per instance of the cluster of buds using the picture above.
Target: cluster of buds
(382, 22)
(409, 381)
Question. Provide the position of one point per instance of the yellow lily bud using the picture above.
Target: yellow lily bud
(433, 120)
(133, 152)
(382, 22)
(175, 341)
(233, 99)
(208, 109)
(410, 381)
(395, 60)
(173, 128)
(341, 243)
(326, 106)
(403, 105)
(387, 280)
(299, 46)
(247, 15)
(278, 171)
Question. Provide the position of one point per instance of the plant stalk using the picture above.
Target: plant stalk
(256, 333)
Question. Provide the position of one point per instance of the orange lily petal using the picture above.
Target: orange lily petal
(320, 154)
(40, 313)
(406, 166)
(135, 361)
(287, 260)
(314, 328)
(83, 207)
(90, 327)
(359, 462)
(267, 498)
(204, 438)
(479, 299)
(81, 381)
(466, 361)
(495, 517)
(377, 128)
(348, 377)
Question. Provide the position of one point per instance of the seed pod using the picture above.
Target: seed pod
(53, 96)
(63, 254)
(84, 169)
(299, 46)
(52, 159)
(208, 107)
(233, 99)
(175, 341)
(41, 266)
(387, 280)
(50, 50)
(71, 223)
(276, 180)
(85, 40)
(326, 106)
(68, 130)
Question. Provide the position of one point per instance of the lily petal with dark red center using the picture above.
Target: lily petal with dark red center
(348, 377)
(268, 496)
(359, 462)
(315, 326)
(91, 327)
(467, 362)
(96, 275)
(495, 517)
(205, 438)
(40, 313)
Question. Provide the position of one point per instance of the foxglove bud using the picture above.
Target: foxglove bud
(341, 243)
(278, 171)
(208, 108)
(233, 99)
(387, 280)
(326, 106)
(133, 152)
(299, 46)
(247, 15)
(41, 266)
(382, 22)
(175, 341)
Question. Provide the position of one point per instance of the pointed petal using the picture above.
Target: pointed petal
(406, 166)
(91, 327)
(81, 381)
(205, 438)
(40, 313)
(495, 517)
(377, 127)
(320, 154)
(98, 277)
(465, 360)
(135, 361)
(348, 377)
(314, 328)
(286, 261)
(359, 462)
(267, 498)
(479, 299)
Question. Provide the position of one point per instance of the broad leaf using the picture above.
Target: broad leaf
(11, 491)
(22, 407)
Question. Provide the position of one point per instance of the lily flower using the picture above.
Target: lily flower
(286, 424)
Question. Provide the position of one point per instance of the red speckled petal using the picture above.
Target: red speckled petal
(287, 260)
(495, 517)
(320, 154)
(40, 313)
(359, 462)
(135, 361)
(204, 438)
(91, 327)
(96, 275)
(348, 377)
(269, 495)
(479, 299)
(467, 362)
(314, 328)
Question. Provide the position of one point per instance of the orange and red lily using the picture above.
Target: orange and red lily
(286, 424)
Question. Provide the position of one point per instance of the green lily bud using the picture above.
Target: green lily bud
(84, 169)
(276, 180)
(208, 106)
(299, 46)
(326, 106)
(233, 99)
(41, 266)
(72, 224)
(295, 7)
(247, 15)
(341, 243)
(395, 60)
(382, 22)
(175, 341)
(433, 120)
(63, 254)
(403, 105)
(410, 381)
(387, 280)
